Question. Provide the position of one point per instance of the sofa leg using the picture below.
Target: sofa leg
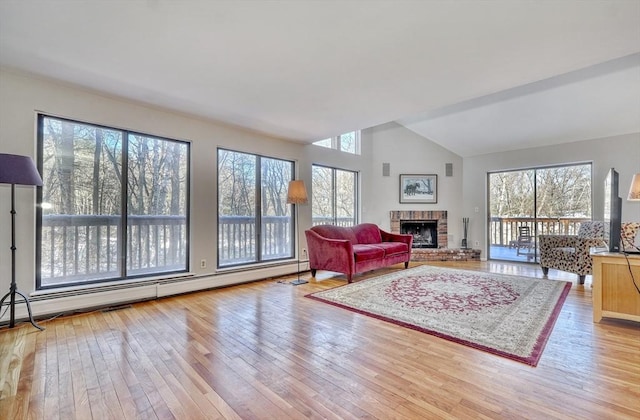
(313, 272)
(348, 278)
(581, 279)
(545, 270)
(406, 264)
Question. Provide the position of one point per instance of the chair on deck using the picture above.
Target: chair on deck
(524, 241)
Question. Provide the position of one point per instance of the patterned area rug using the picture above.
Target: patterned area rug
(506, 315)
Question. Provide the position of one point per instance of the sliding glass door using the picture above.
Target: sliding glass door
(526, 203)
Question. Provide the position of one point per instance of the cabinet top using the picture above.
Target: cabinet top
(598, 253)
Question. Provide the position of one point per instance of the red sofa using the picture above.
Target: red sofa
(356, 249)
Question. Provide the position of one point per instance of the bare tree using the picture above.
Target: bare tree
(322, 192)
(65, 163)
(559, 192)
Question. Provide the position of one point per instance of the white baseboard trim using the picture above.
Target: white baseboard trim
(43, 306)
(67, 304)
(222, 280)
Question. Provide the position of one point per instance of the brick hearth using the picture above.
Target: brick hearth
(430, 254)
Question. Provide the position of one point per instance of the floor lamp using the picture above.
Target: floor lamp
(296, 195)
(21, 170)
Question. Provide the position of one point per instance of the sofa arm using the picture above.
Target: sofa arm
(583, 250)
(548, 242)
(396, 237)
(330, 254)
(584, 261)
(581, 244)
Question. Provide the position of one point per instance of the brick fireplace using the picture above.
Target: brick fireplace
(439, 216)
(442, 252)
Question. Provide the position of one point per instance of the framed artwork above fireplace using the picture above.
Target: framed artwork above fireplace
(416, 188)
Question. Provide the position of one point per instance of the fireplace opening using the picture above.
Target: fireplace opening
(425, 232)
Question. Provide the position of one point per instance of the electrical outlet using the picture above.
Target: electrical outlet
(203, 263)
(304, 253)
(477, 243)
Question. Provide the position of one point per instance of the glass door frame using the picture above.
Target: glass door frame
(538, 225)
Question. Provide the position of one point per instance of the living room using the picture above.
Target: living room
(24, 94)
(459, 194)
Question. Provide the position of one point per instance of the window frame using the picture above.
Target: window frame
(535, 218)
(122, 237)
(336, 142)
(259, 251)
(334, 194)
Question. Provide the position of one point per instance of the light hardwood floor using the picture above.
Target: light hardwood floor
(264, 351)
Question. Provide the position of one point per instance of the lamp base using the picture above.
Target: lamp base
(13, 289)
(13, 292)
(299, 281)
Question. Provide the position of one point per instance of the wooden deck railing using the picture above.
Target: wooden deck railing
(237, 237)
(86, 247)
(503, 230)
(77, 248)
(340, 221)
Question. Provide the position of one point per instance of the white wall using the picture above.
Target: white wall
(22, 96)
(620, 152)
(410, 153)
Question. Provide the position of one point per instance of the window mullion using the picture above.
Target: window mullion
(258, 209)
(124, 200)
(334, 194)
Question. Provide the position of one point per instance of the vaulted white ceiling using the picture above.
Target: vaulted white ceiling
(473, 76)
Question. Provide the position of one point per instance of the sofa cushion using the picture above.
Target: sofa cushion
(367, 252)
(393, 248)
(367, 233)
(336, 232)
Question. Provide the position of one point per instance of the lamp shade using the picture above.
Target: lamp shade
(634, 190)
(297, 193)
(16, 169)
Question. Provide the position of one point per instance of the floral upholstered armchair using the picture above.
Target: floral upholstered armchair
(571, 252)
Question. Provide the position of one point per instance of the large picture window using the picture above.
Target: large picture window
(334, 199)
(254, 219)
(114, 204)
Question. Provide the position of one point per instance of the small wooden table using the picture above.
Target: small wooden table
(614, 294)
